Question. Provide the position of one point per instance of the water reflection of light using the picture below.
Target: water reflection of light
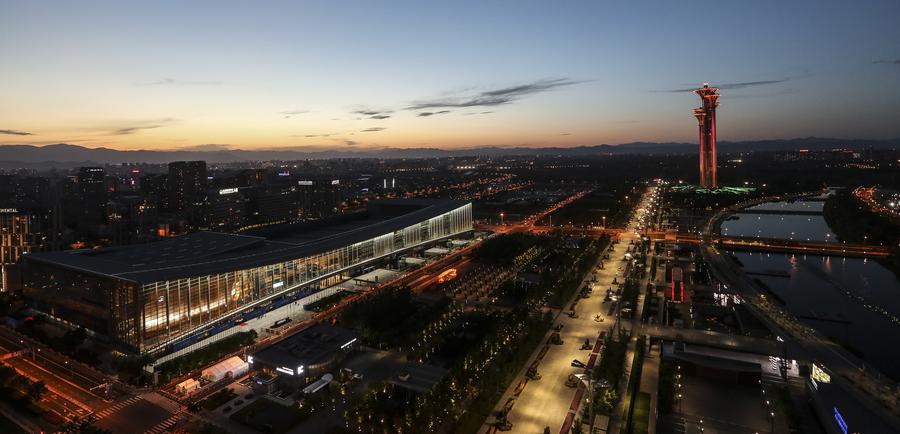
(828, 264)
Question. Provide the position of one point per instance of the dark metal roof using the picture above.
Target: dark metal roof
(421, 377)
(203, 253)
(314, 345)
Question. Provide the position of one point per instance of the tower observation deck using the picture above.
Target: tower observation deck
(706, 120)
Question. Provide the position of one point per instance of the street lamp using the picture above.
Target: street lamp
(586, 380)
(501, 219)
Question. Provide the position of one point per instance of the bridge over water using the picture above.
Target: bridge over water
(734, 243)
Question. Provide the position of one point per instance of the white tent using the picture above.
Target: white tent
(318, 385)
(413, 261)
(436, 251)
(231, 367)
(187, 386)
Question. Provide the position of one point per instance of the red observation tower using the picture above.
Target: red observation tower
(706, 119)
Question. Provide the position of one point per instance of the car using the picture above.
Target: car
(577, 364)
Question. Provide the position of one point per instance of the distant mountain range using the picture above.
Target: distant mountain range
(69, 155)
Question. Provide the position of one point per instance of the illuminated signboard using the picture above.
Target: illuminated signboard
(228, 190)
(820, 375)
(336, 182)
(285, 173)
(304, 183)
(8, 210)
(282, 369)
(840, 420)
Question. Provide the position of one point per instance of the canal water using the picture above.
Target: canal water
(798, 205)
(854, 301)
(778, 226)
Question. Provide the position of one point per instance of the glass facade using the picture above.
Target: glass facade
(100, 303)
(157, 315)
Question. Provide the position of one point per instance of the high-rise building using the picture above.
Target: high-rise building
(319, 197)
(18, 236)
(706, 119)
(91, 188)
(186, 182)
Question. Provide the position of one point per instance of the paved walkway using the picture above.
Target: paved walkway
(546, 403)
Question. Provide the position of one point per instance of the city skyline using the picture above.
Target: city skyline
(357, 76)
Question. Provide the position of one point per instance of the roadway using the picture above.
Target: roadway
(76, 391)
(707, 338)
(737, 243)
(69, 393)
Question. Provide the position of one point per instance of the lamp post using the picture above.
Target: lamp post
(501, 218)
(589, 383)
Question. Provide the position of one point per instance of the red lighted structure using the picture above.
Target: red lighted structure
(677, 290)
(706, 119)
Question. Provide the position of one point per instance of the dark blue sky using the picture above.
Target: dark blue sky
(449, 74)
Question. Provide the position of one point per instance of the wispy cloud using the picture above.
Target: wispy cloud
(427, 114)
(16, 133)
(350, 143)
(727, 86)
(373, 130)
(887, 62)
(140, 126)
(314, 135)
(289, 113)
(476, 113)
(565, 134)
(176, 82)
(492, 98)
(370, 113)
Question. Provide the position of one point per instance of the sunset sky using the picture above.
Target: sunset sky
(449, 74)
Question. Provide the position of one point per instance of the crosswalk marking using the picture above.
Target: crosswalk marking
(164, 425)
(116, 407)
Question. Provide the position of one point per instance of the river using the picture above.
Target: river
(778, 226)
(854, 301)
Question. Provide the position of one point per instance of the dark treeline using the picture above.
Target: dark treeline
(854, 223)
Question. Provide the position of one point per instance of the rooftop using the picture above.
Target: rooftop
(421, 377)
(311, 346)
(202, 253)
